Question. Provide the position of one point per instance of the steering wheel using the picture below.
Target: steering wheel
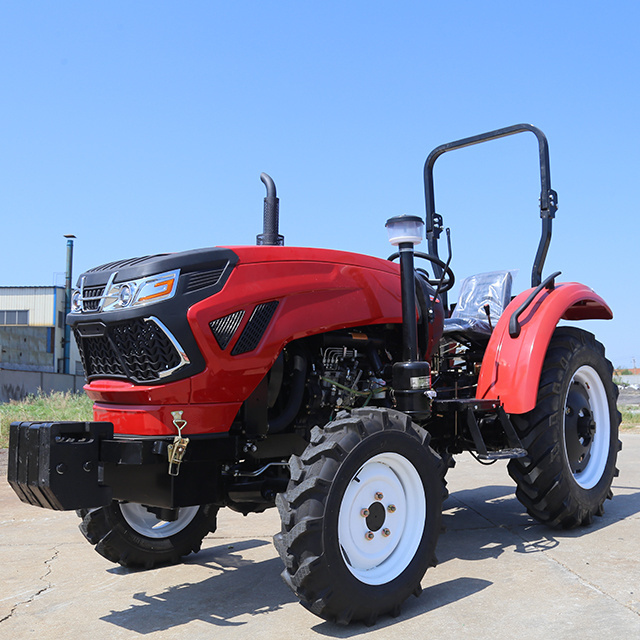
(447, 283)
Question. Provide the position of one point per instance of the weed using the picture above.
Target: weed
(630, 416)
(54, 406)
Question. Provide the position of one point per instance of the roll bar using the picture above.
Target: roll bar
(548, 197)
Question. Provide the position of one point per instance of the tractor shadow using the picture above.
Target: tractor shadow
(482, 524)
(242, 587)
(485, 522)
(479, 524)
(432, 598)
(237, 586)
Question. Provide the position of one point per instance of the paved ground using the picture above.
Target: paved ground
(629, 396)
(500, 575)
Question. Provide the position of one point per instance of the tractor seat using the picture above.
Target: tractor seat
(469, 318)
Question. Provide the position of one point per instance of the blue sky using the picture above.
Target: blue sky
(142, 127)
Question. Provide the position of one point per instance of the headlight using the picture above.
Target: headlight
(137, 293)
(76, 301)
(125, 295)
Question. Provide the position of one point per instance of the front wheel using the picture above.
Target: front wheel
(571, 436)
(361, 516)
(131, 535)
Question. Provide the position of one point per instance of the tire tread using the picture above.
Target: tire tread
(545, 485)
(301, 509)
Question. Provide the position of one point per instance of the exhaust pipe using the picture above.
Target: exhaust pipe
(270, 235)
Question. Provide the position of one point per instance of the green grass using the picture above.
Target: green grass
(54, 406)
(630, 416)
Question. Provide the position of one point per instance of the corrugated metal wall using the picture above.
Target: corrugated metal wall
(38, 300)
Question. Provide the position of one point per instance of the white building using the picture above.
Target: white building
(32, 330)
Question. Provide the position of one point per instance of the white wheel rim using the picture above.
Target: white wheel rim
(377, 557)
(147, 524)
(590, 381)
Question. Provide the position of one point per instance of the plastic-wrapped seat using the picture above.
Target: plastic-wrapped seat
(478, 294)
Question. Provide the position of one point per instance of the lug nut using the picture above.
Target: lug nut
(391, 508)
(364, 513)
(369, 535)
(386, 533)
(378, 495)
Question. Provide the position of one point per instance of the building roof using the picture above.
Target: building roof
(35, 286)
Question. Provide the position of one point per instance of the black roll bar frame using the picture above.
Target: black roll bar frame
(548, 197)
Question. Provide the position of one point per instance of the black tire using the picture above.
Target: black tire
(571, 436)
(375, 460)
(128, 534)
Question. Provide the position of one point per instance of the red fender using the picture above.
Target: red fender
(511, 367)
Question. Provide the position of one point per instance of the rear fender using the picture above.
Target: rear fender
(511, 367)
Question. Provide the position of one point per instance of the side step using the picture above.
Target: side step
(472, 406)
(503, 454)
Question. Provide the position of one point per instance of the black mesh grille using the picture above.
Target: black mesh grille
(138, 350)
(255, 328)
(224, 328)
(202, 279)
(98, 356)
(146, 350)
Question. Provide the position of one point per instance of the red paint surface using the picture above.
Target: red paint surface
(156, 420)
(511, 367)
(318, 290)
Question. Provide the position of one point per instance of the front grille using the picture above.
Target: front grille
(98, 356)
(146, 350)
(91, 304)
(137, 349)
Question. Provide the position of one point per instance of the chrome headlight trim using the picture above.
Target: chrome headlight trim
(127, 295)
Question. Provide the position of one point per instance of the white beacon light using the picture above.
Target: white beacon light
(405, 229)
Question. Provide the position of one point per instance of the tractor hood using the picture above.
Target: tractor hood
(200, 267)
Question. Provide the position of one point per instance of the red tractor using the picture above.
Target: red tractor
(334, 386)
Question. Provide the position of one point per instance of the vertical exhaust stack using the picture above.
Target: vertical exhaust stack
(270, 235)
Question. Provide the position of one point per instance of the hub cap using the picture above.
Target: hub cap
(378, 547)
(586, 427)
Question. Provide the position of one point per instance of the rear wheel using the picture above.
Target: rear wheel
(361, 516)
(131, 535)
(571, 436)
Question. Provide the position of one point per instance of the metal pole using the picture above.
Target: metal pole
(67, 303)
(409, 322)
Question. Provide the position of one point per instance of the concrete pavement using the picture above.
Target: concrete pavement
(501, 575)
